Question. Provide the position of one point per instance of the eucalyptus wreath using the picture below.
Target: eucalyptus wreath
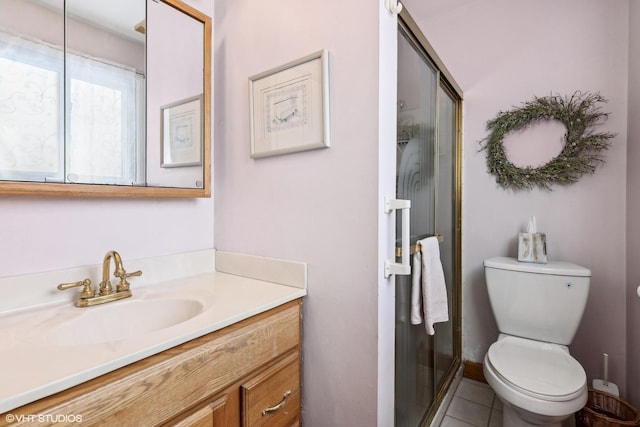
(582, 149)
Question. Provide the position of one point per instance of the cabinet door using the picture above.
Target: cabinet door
(215, 414)
(203, 417)
(272, 398)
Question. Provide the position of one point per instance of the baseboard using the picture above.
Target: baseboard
(473, 370)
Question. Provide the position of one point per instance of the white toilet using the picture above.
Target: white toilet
(538, 308)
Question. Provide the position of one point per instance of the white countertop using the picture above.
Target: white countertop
(35, 362)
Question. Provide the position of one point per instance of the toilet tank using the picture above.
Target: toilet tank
(544, 302)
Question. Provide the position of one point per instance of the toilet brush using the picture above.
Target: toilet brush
(604, 384)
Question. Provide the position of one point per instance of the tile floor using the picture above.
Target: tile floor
(474, 404)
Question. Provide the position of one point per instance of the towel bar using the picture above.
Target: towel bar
(415, 248)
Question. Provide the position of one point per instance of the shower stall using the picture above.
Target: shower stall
(428, 174)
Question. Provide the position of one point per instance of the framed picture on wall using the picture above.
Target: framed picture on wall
(181, 124)
(290, 107)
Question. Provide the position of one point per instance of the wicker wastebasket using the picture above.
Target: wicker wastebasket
(605, 410)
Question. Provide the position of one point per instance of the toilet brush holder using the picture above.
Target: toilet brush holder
(604, 384)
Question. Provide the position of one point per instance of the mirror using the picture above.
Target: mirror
(99, 99)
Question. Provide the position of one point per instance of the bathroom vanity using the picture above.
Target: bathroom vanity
(247, 374)
(233, 362)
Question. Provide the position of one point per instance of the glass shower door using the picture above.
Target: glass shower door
(426, 167)
(447, 333)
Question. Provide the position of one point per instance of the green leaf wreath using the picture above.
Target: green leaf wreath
(580, 154)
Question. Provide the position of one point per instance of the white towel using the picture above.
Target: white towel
(428, 281)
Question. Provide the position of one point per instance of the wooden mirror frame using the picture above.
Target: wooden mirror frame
(122, 191)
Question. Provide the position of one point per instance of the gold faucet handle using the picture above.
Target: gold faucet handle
(124, 283)
(87, 290)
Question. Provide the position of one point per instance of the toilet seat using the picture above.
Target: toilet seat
(540, 370)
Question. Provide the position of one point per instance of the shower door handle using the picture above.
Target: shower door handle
(404, 267)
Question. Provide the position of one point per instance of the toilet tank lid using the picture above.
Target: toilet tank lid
(558, 268)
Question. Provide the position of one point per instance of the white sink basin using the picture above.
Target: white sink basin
(60, 345)
(120, 320)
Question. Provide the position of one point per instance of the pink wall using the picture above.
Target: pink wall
(318, 206)
(503, 53)
(41, 233)
(633, 209)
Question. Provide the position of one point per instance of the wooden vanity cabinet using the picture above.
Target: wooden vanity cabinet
(245, 375)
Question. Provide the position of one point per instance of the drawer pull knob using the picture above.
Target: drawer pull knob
(279, 405)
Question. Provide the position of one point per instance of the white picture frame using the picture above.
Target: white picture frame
(181, 124)
(289, 107)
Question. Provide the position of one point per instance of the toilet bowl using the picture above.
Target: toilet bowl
(539, 384)
(538, 308)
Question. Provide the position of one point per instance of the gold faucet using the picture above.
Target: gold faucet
(119, 272)
(88, 297)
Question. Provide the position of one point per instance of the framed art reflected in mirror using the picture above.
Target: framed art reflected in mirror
(181, 133)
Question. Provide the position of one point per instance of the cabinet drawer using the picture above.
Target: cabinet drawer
(273, 396)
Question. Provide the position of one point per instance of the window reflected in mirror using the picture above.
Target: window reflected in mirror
(105, 101)
(96, 84)
(31, 91)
